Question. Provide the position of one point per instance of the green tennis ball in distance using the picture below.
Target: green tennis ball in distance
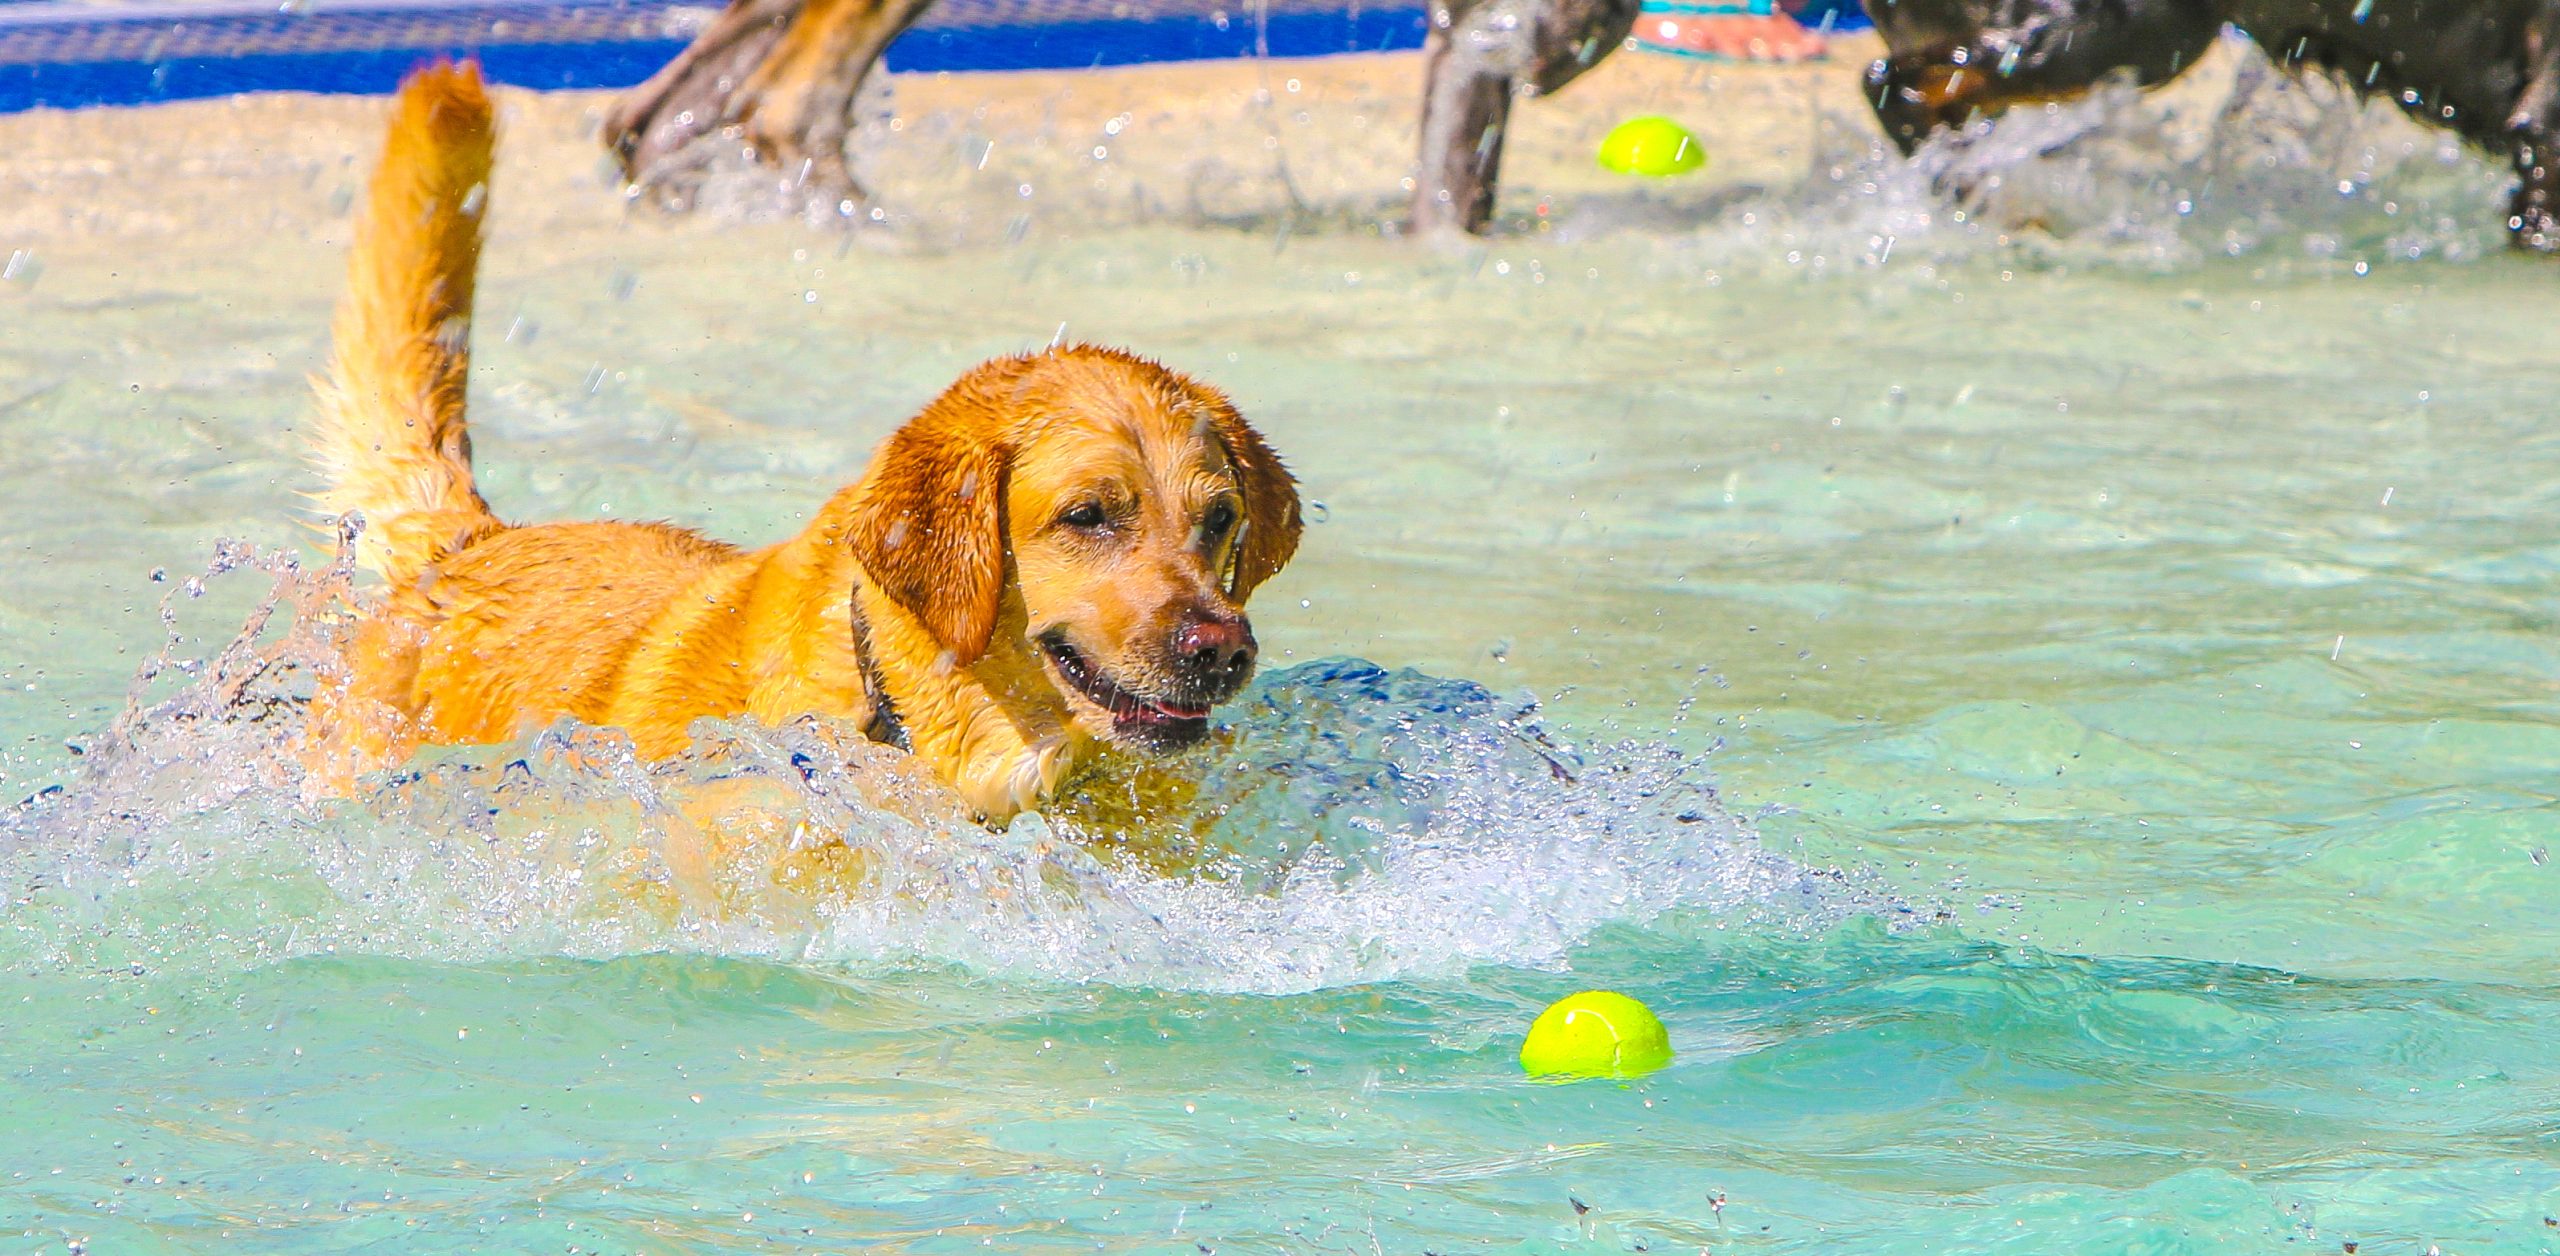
(1652, 146)
(1597, 1033)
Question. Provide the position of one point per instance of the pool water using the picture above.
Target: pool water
(2049, 695)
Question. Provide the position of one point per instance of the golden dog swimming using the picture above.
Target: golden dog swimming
(1053, 557)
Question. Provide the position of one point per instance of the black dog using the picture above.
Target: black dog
(2487, 69)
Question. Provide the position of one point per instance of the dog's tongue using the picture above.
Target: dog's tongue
(1156, 711)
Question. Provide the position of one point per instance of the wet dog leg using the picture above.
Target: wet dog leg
(1478, 58)
(2011, 52)
(783, 74)
(1464, 111)
(2533, 134)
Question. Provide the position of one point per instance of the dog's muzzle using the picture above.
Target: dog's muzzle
(1208, 657)
(1214, 652)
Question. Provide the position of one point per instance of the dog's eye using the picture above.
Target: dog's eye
(1220, 518)
(1085, 518)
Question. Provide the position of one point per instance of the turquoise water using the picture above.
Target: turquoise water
(2059, 722)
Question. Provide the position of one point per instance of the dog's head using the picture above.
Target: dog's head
(1129, 508)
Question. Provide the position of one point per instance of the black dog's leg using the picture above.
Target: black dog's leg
(1481, 54)
(2015, 51)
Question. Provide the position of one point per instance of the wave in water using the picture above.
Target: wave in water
(2237, 159)
(1351, 824)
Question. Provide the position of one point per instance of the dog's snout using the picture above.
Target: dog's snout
(1213, 642)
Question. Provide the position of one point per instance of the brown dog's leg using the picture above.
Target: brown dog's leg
(772, 81)
(2533, 131)
(650, 125)
(1480, 54)
(363, 718)
(1463, 115)
(2531, 224)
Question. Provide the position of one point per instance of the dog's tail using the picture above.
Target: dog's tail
(390, 441)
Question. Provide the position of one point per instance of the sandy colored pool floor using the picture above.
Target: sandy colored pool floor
(1210, 141)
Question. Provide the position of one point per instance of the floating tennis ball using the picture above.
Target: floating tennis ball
(1596, 1033)
(1651, 146)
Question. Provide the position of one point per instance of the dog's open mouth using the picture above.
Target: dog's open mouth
(1156, 722)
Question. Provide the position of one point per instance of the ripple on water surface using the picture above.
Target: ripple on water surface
(2047, 593)
(1351, 824)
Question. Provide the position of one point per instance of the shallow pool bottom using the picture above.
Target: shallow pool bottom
(2178, 625)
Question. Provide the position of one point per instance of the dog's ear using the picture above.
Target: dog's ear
(1271, 523)
(928, 529)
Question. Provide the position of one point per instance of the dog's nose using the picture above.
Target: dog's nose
(1214, 642)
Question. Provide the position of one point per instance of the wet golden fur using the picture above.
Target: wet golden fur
(955, 545)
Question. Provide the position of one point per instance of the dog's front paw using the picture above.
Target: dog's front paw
(1002, 786)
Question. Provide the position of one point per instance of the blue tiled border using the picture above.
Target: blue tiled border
(78, 83)
(93, 62)
(55, 56)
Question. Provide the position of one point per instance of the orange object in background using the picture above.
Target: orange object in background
(1753, 31)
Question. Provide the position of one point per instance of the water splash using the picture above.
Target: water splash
(2236, 159)
(1353, 824)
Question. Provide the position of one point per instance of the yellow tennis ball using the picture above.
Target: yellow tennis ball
(1597, 1033)
(1651, 146)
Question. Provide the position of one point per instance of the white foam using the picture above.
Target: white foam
(2237, 159)
(1352, 825)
